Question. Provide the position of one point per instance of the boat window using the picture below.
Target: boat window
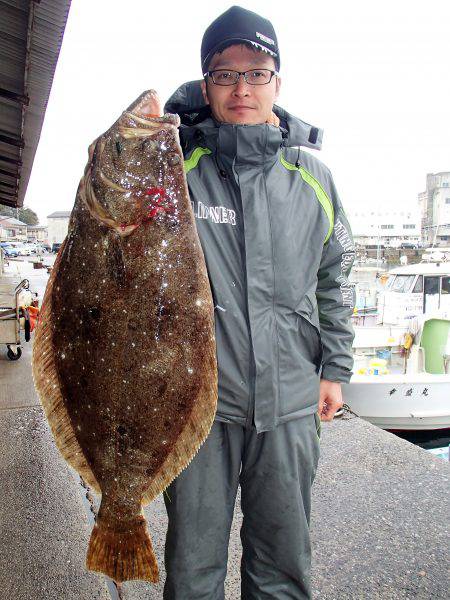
(431, 285)
(445, 289)
(402, 283)
(390, 281)
(418, 288)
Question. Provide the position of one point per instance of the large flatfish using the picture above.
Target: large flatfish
(124, 357)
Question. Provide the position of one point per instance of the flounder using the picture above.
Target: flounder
(124, 357)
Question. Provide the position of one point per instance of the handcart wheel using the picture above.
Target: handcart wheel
(12, 355)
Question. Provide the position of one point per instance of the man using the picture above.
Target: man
(278, 249)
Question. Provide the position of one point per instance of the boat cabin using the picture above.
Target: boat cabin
(413, 290)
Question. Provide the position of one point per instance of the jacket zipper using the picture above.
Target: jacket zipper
(252, 365)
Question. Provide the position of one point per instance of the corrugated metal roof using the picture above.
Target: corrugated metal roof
(31, 33)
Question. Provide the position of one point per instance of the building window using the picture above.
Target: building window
(409, 226)
(447, 201)
(445, 184)
(387, 227)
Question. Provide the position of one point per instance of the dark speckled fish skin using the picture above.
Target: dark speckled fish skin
(132, 317)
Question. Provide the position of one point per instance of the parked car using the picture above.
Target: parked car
(8, 250)
(55, 247)
(408, 245)
(36, 247)
(32, 247)
(21, 248)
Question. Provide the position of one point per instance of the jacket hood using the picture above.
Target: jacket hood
(187, 101)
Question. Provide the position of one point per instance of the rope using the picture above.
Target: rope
(345, 409)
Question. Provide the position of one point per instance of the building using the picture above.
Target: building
(434, 205)
(57, 224)
(38, 233)
(384, 227)
(12, 229)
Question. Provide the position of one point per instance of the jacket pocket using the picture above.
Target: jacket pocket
(310, 333)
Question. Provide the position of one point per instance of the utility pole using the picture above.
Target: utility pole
(378, 247)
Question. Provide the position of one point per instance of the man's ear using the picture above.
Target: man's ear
(204, 92)
(277, 87)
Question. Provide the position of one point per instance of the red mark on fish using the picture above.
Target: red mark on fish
(158, 203)
(159, 197)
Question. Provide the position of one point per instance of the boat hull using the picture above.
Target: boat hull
(401, 402)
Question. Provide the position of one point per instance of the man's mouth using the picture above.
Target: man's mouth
(240, 107)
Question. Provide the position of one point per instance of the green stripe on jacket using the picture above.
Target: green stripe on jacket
(196, 155)
(321, 194)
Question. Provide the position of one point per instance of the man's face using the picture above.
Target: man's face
(242, 103)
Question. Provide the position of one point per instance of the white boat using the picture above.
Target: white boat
(401, 401)
(415, 290)
(404, 394)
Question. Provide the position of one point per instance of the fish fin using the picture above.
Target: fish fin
(48, 386)
(195, 432)
(122, 555)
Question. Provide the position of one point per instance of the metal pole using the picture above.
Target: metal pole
(378, 247)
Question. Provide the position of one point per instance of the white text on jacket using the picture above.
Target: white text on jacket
(217, 214)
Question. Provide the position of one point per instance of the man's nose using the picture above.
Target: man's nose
(241, 88)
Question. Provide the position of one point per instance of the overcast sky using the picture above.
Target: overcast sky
(373, 75)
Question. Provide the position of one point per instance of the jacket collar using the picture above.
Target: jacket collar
(187, 101)
(235, 144)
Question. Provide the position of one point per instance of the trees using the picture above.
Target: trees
(26, 215)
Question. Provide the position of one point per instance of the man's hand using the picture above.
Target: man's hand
(330, 399)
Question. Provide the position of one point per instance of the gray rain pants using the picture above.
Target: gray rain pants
(275, 470)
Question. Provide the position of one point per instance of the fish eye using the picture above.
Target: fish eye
(149, 145)
(119, 147)
(173, 159)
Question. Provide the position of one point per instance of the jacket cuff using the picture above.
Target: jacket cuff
(332, 372)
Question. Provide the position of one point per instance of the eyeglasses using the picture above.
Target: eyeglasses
(252, 77)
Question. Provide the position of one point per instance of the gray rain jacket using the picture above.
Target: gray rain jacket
(278, 250)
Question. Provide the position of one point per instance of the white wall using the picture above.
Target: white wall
(57, 230)
(369, 223)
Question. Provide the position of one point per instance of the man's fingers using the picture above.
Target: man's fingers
(330, 407)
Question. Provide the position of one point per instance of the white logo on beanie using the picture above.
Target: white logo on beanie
(263, 48)
(265, 38)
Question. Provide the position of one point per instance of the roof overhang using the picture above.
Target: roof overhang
(31, 34)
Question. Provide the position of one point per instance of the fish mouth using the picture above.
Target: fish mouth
(133, 126)
(145, 118)
(142, 119)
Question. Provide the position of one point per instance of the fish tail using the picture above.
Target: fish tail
(123, 554)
